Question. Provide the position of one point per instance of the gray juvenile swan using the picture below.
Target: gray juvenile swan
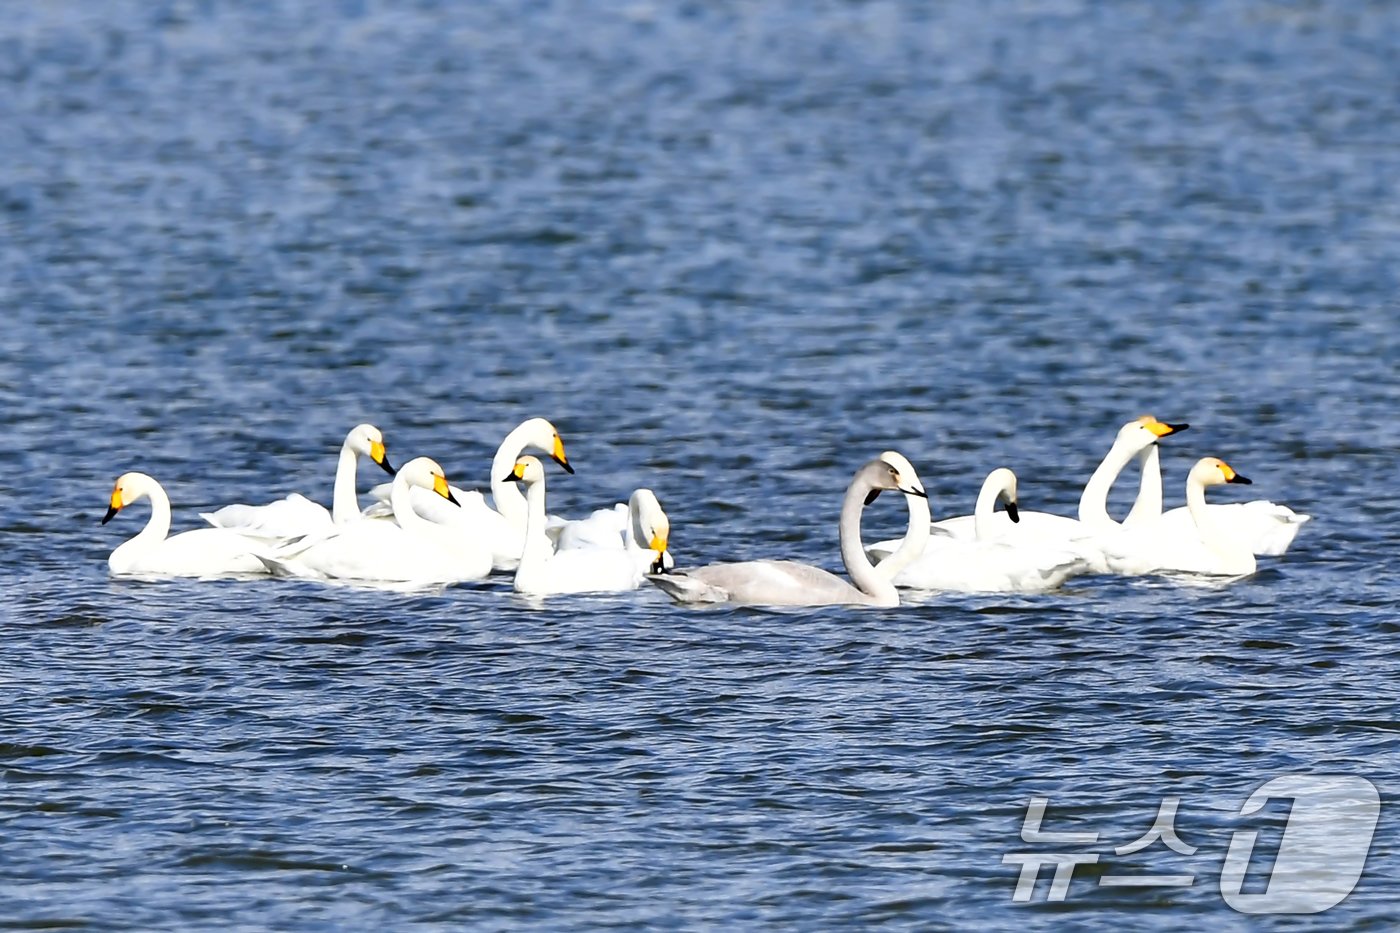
(789, 583)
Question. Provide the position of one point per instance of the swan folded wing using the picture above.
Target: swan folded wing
(1267, 528)
(285, 518)
(199, 553)
(758, 583)
(604, 528)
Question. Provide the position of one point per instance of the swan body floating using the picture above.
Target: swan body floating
(500, 524)
(297, 515)
(202, 552)
(408, 550)
(989, 562)
(1267, 527)
(790, 583)
(607, 568)
(1211, 547)
(1136, 439)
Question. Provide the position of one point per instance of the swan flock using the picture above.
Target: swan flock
(420, 530)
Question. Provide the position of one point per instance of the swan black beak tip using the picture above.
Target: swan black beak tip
(453, 499)
(111, 513)
(387, 467)
(565, 464)
(1242, 480)
(1177, 428)
(1013, 512)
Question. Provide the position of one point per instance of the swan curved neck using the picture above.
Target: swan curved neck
(878, 590)
(345, 502)
(401, 500)
(986, 507)
(1148, 505)
(505, 493)
(914, 540)
(158, 525)
(1093, 504)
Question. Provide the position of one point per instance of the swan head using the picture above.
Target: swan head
(650, 526)
(1002, 484)
(527, 470)
(129, 488)
(881, 474)
(1141, 433)
(367, 441)
(540, 434)
(425, 473)
(1212, 471)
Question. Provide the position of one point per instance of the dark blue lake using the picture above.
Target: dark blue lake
(732, 250)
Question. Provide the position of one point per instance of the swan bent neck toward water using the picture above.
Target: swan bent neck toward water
(297, 515)
(544, 571)
(790, 583)
(198, 553)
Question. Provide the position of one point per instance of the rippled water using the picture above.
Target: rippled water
(733, 250)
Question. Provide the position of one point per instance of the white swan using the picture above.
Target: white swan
(1136, 439)
(544, 571)
(790, 583)
(199, 553)
(297, 515)
(499, 525)
(989, 563)
(410, 549)
(1268, 528)
(1210, 547)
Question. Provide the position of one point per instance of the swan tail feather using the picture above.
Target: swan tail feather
(687, 589)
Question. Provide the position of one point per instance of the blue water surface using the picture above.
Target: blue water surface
(733, 250)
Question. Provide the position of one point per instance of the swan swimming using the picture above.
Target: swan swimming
(790, 583)
(297, 515)
(410, 549)
(988, 563)
(544, 571)
(500, 524)
(202, 552)
(1211, 547)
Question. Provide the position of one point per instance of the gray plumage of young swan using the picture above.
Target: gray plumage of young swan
(790, 583)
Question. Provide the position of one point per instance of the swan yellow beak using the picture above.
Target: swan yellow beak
(1161, 428)
(441, 488)
(114, 506)
(379, 456)
(1232, 477)
(658, 542)
(519, 472)
(559, 456)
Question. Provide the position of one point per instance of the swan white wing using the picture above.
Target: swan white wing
(1036, 531)
(199, 553)
(286, 518)
(605, 528)
(473, 518)
(1157, 548)
(991, 567)
(759, 583)
(586, 570)
(382, 551)
(1267, 528)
